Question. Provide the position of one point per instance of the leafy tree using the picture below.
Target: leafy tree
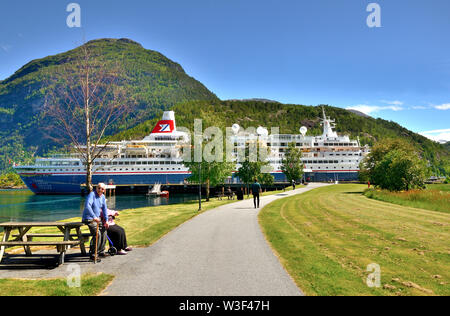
(210, 173)
(395, 165)
(292, 165)
(251, 170)
(10, 179)
(266, 179)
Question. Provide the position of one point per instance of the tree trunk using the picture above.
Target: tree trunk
(207, 190)
(89, 177)
(88, 136)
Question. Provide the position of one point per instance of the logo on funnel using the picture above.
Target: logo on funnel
(163, 127)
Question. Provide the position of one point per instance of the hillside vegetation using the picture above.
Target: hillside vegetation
(154, 81)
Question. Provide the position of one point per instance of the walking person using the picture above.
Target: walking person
(94, 209)
(256, 189)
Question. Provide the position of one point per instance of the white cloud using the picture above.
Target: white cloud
(419, 107)
(396, 102)
(368, 109)
(5, 47)
(438, 135)
(443, 106)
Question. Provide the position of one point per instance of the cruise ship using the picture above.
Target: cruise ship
(155, 159)
(158, 159)
(327, 157)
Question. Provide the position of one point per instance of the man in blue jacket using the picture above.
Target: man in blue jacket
(94, 209)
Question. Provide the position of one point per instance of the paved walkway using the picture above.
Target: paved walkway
(219, 252)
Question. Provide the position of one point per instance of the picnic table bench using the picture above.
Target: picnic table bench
(25, 239)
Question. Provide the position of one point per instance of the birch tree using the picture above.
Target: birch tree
(85, 97)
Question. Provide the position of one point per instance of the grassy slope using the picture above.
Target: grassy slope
(325, 238)
(435, 198)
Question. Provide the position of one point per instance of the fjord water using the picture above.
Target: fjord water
(23, 205)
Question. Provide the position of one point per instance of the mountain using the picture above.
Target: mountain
(358, 113)
(153, 80)
(290, 117)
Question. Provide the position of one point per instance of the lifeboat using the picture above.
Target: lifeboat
(164, 194)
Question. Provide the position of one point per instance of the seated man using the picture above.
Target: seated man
(94, 208)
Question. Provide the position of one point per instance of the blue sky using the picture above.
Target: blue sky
(303, 52)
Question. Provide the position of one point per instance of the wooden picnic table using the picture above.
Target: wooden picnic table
(25, 239)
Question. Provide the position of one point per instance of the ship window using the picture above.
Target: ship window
(127, 163)
(114, 163)
(138, 162)
(120, 162)
(316, 144)
(173, 162)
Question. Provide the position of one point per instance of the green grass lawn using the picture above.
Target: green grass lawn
(436, 197)
(326, 238)
(89, 285)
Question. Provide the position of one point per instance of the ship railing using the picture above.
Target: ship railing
(62, 156)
